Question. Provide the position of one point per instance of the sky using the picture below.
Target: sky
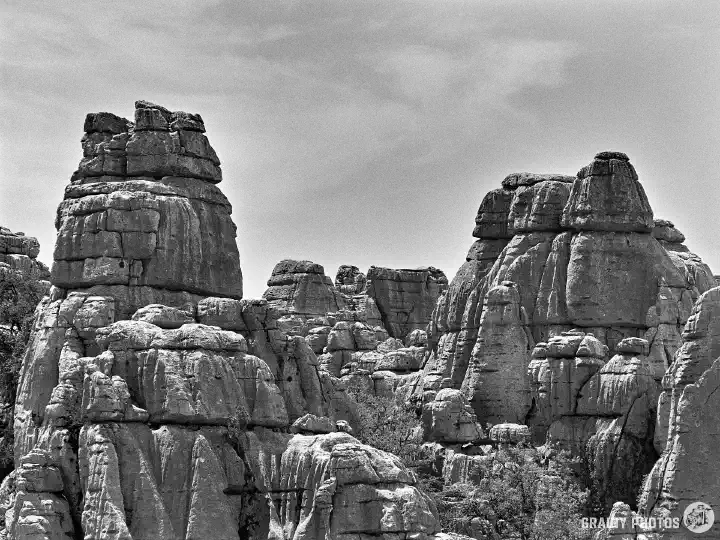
(367, 133)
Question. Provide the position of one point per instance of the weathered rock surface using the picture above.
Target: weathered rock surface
(141, 206)
(154, 402)
(603, 411)
(302, 288)
(405, 298)
(583, 255)
(687, 430)
(350, 490)
(496, 382)
(18, 254)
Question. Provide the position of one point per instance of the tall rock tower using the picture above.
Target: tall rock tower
(154, 402)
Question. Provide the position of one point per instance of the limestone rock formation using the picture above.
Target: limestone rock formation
(350, 280)
(496, 383)
(687, 430)
(18, 254)
(406, 297)
(583, 255)
(349, 490)
(603, 411)
(154, 402)
(301, 287)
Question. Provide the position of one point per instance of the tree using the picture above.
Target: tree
(388, 425)
(519, 497)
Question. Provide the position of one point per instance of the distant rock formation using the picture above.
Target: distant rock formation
(18, 254)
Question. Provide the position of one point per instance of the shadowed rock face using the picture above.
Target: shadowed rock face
(154, 402)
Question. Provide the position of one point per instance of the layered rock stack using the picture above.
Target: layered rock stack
(154, 402)
(603, 410)
(405, 297)
(583, 255)
(18, 254)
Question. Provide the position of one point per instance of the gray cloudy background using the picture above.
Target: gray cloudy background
(368, 132)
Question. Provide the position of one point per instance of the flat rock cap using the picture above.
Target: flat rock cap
(609, 154)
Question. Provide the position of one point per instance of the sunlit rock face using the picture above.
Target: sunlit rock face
(584, 253)
(687, 424)
(18, 254)
(154, 402)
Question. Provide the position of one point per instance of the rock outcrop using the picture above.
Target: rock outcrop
(687, 425)
(603, 411)
(302, 288)
(583, 255)
(18, 254)
(154, 402)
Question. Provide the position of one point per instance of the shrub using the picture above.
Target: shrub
(19, 296)
(388, 425)
(518, 498)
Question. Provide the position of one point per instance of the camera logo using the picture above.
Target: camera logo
(699, 517)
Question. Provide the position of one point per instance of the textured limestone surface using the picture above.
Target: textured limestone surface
(301, 287)
(405, 298)
(603, 410)
(18, 254)
(583, 254)
(688, 430)
(155, 403)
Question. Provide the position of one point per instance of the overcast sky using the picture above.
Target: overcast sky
(368, 132)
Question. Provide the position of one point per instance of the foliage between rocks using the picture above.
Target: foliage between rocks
(18, 298)
(520, 497)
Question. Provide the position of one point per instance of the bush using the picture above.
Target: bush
(18, 298)
(518, 498)
(388, 425)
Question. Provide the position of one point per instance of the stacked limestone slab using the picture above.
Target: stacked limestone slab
(18, 254)
(582, 255)
(154, 402)
(558, 258)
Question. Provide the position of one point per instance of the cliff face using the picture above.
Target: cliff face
(583, 255)
(154, 402)
(560, 260)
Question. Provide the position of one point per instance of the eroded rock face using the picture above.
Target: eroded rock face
(142, 205)
(608, 197)
(405, 298)
(590, 262)
(687, 430)
(18, 254)
(154, 402)
(302, 288)
(603, 411)
(349, 490)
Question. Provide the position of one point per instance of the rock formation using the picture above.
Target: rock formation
(154, 402)
(687, 424)
(582, 255)
(561, 262)
(18, 254)
(405, 298)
